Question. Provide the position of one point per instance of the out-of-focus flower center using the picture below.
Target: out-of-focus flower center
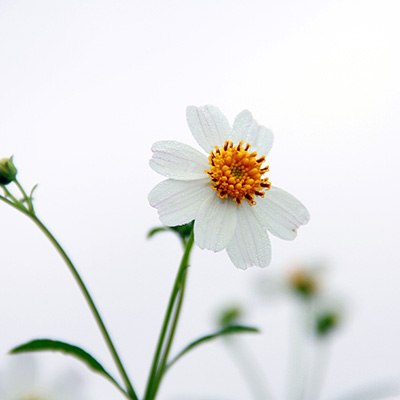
(32, 396)
(237, 173)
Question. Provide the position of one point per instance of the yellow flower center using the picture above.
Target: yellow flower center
(237, 173)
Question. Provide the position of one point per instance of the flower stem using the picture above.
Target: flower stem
(174, 324)
(158, 367)
(298, 374)
(249, 369)
(31, 214)
(26, 197)
(10, 195)
(319, 368)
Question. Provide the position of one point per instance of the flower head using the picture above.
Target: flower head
(227, 192)
(304, 282)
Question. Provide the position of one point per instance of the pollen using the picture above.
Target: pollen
(237, 173)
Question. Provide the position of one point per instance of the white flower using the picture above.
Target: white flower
(226, 193)
(21, 380)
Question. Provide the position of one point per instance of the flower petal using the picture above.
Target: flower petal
(281, 213)
(20, 375)
(250, 245)
(178, 161)
(208, 126)
(178, 202)
(69, 385)
(247, 129)
(215, 223)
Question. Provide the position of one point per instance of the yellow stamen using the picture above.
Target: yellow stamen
(237, 173)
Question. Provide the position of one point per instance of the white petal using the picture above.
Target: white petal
(208, 126)
(20, 375)
(178, 161)
(215, 223)
(281, 213)
(178, 202)
(66, 386)
(247, 129)
(250, 244)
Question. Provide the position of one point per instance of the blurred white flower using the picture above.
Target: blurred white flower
(227, 194)
(303, 281)
(21, 380)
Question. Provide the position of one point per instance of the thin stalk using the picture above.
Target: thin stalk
(171, 335)
(249, 368)
(154, 377)
(10, 195)
(91, 304)
(299, 353)
(26, 197)
(319, 368)
(130, 391)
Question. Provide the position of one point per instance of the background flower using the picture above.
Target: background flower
(22, 379)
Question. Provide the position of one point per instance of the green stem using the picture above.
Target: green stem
(157, 369)
(17, 206)
(130, 391)
(26, 197)
(13, 198)
(162, 368)
(91, 304)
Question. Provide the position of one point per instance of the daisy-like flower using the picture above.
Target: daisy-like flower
(226, 193)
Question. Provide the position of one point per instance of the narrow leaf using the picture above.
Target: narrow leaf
(226, 331)
(69, 349)
(33, 189)
(155, 231)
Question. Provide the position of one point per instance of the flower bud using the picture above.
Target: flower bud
(326, 322)
(230, 316)
(8, 172)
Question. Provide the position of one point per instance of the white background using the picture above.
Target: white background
(87, 86)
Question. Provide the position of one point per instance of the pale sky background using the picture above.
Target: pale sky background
(87, 86)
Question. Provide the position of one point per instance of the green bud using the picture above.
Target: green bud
(8, 172)
(230, 316)
(326, 322)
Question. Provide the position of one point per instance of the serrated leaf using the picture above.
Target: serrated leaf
(66, 348)
(226, 331)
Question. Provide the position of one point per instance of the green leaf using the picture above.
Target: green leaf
(33, 189)
(69, 349)
(183, 231)
(225, 331)
(154, 231)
